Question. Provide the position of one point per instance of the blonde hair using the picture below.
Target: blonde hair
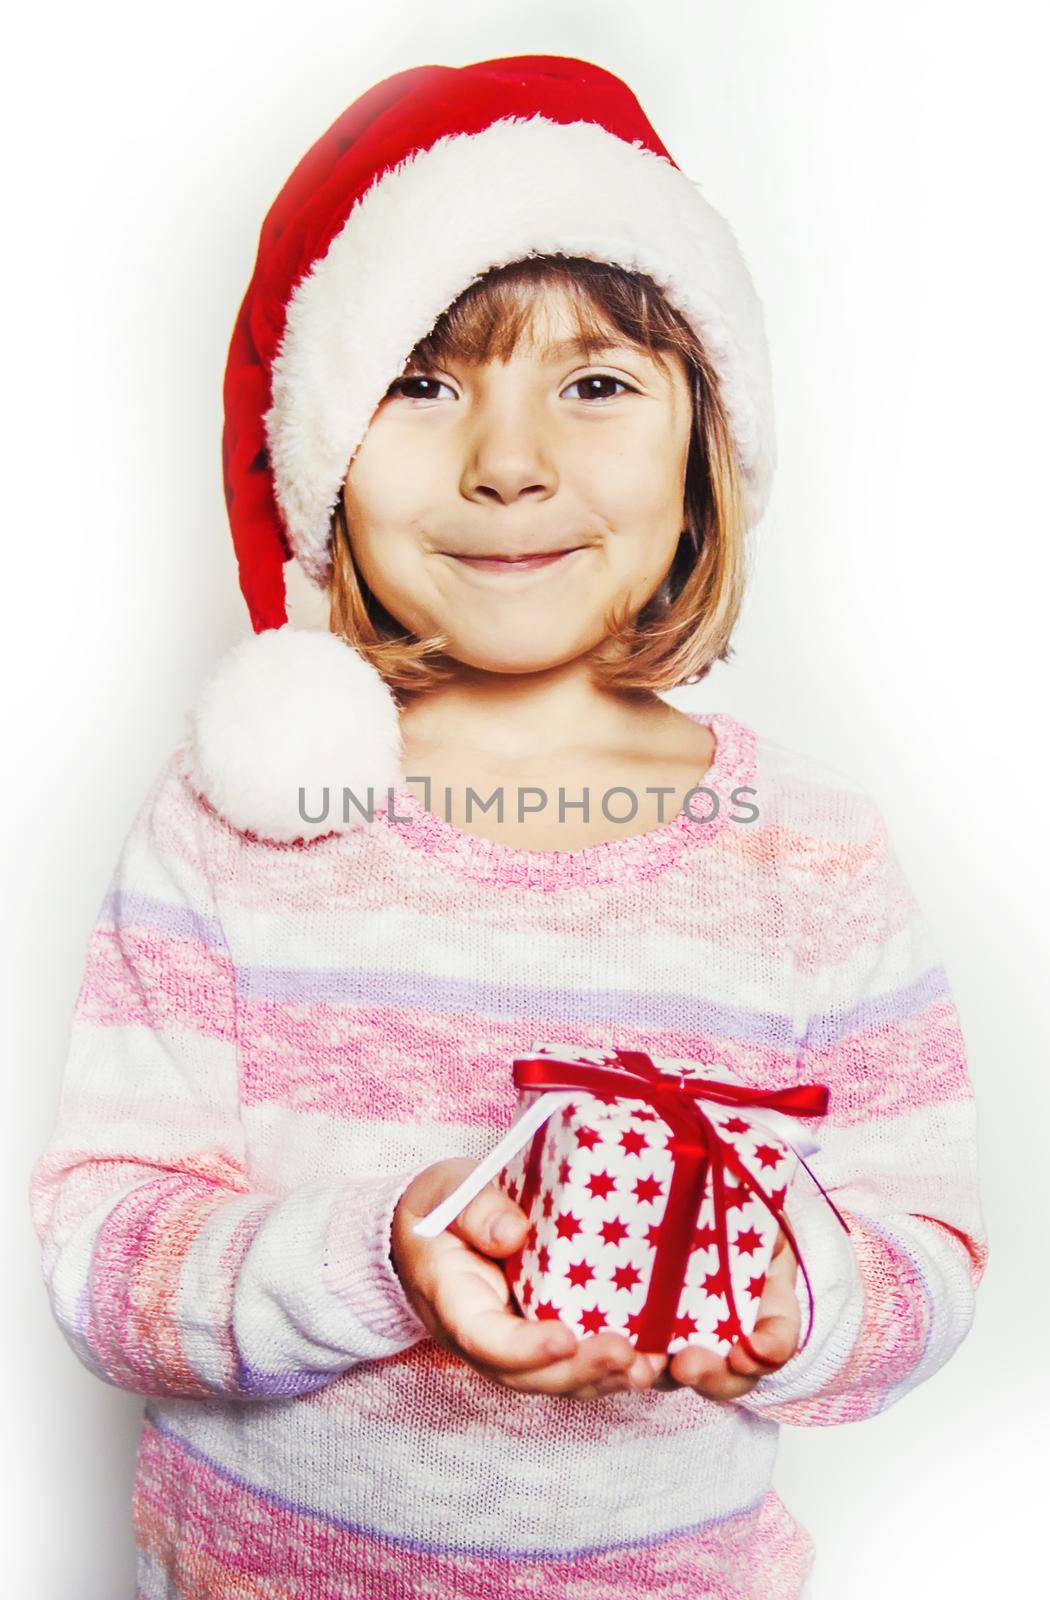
(685, 626)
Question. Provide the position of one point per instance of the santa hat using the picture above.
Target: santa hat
(423, 184)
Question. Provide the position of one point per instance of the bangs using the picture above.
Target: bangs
(504, 309)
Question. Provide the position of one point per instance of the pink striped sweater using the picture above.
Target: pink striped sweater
(270, 1039)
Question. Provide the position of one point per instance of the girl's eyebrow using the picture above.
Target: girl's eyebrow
(578, 346)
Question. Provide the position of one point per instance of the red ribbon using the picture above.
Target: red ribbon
(698, 1149)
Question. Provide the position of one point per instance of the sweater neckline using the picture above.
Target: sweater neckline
(632, 856)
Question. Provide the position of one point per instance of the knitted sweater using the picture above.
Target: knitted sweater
(271, 1039)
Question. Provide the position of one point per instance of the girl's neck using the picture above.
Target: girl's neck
(528, 739)
(532, 718)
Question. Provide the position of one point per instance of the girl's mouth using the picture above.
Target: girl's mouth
(509, 564)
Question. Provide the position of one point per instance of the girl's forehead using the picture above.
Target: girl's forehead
(553, 325)
(533, 319)
(555, 351)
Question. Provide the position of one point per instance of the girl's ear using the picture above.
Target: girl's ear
(287, 715)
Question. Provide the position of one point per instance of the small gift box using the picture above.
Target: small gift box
(654, 1189)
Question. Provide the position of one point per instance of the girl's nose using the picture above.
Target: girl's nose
(507, 463)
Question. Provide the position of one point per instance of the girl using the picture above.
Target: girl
(499, 384)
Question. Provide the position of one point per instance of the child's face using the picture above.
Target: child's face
(548, 452)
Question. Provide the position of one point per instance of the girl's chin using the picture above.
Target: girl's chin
(510, 658)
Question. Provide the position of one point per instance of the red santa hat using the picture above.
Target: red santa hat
(423, 184)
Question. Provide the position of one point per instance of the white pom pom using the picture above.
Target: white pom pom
(290, 713)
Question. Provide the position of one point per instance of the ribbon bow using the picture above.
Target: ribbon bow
(698, 1149)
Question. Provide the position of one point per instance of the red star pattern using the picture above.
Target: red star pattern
(683, 1327)
(571, 1157)
(567, 1225)
(767, 1155)
(601, 1185)
(580, 1274)
(592, 1320)
(647, 1189)
(714, 1283)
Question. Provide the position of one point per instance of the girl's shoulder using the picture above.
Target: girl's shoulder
(830, 837)
(811, 796)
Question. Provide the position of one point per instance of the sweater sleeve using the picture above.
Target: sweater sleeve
(169, 1271)
(895, 1296)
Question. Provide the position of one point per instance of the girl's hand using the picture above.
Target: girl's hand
(775, 1337)
(461, 1296)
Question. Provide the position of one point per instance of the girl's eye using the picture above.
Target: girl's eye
(599, 378)
(418, 386)
(411, 386)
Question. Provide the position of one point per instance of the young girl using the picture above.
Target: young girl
(499, 384)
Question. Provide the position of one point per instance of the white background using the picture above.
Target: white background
(884, 169)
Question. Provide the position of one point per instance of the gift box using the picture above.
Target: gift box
(655, 1189)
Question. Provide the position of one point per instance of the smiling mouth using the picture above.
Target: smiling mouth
(524, 563)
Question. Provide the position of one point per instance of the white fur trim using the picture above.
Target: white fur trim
(294, 708)
(430, 226)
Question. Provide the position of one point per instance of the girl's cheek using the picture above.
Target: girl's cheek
(637, 464)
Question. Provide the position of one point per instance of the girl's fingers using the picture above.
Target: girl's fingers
(784, 1257)
(535, 1357)
(774, 1337)
(604, 1359)
(491, 1223)
(776, 1332)
(477, 1319)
